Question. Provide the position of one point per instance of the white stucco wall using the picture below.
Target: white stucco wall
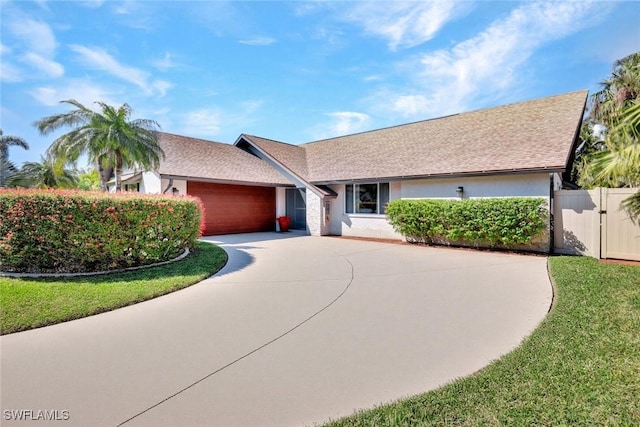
(361, 225)
(281, 201)
(377, 226)
(317, 225)
(150, 183)
(179, 184)
(314, 213)
(525, 185)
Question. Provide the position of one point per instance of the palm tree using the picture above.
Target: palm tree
(44, 174)
(612, 157)
(618, 92)
(619, 164)
(109, 138)
(6, 167)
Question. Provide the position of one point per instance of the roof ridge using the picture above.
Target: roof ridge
(379, 129)
(191, 137)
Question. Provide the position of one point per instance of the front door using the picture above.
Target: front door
(297, 208)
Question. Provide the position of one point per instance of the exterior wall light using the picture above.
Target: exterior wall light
(460, 191)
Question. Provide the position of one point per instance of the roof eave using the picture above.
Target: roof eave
(470, 174)
(225, 181)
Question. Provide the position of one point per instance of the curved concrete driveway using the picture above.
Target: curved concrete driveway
(294, 330)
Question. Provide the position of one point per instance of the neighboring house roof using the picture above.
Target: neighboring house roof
(198, 159)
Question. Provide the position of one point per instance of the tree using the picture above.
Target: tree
(110, 139)
(44, 174)
(89, 180)
(619, 164)
(618, 93)
(6, 167)
(612, 157)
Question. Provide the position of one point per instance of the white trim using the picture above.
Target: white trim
(364, 215)
(378, 205)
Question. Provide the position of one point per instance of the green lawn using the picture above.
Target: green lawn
(32, 303)
(581, 367)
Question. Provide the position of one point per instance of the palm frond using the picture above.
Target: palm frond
(632, 206)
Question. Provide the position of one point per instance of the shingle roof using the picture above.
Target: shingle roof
(533, 135)
(215, 161)
(292, 156)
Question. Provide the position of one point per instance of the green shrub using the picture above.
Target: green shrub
(63, 231)
(497, 222)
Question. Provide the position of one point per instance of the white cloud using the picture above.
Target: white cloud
(402, 24)
(127, 7)
(139, 15)
(342, 123)
(204, 122)
(94, 4)
(38, 41)
(411, 105)
(37, 36)
(82, 91)
(258, 41)
(161, 86)
(9, 73)
(489, 64)
(50, 68)
(373, 78)
(165, 63)
(209, 122)
(99, 59)
(347, 122)
(4, 49)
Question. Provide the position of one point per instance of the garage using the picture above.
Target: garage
(235, 208)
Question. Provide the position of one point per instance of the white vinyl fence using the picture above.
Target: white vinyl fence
(592, 222)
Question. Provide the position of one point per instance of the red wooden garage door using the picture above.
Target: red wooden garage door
(235, 208)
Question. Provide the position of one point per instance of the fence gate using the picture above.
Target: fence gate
(591, 222)
(620, 236)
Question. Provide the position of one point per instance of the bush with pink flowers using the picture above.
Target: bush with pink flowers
(65, 231)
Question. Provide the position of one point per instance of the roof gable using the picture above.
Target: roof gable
(294, 157)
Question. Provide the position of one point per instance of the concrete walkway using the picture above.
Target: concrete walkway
(293, 331)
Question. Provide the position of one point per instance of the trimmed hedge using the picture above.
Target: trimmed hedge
(66, 231)
(496, 222)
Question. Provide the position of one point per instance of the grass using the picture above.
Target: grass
(32, 303)
(580, 367)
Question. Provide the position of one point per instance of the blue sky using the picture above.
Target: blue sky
(298, 71)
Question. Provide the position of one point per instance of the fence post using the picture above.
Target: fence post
(602, 205)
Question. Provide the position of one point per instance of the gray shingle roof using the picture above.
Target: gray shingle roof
(533, 135)
(207, 160)
(292, 156)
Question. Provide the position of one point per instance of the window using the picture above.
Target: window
(367, 198)
(132, 187)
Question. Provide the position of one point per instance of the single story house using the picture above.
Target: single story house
(340, 186)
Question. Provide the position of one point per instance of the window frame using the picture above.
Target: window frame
(353, 204)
